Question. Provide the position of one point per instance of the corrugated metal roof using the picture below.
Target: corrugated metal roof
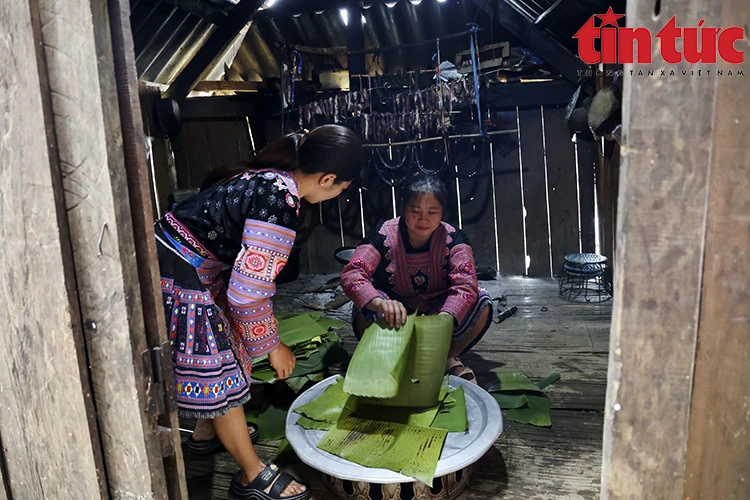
(167, 36)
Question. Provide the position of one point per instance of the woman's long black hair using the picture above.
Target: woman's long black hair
(328, 149)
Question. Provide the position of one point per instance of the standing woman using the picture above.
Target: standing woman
(416, 262)
(216, 328)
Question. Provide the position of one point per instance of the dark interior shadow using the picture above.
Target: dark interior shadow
(490, 469)
(482, 367)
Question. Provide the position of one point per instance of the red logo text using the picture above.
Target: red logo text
(700, 44)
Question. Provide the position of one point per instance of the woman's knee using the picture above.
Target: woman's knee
(359, 325)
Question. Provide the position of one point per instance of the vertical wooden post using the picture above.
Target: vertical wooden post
(46, 437)
(676, 423)
(89, 142)
(718, 455)
(355, 40)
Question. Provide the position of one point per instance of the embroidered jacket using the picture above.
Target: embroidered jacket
(437, 278)
(247, 222)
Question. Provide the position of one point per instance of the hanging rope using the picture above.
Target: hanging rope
(475, 70)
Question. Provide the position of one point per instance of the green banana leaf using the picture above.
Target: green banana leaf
(379, 360)
(328, 406)
(510, 401)
(515, 381)
(271, 422)
(422, 417)
(542, 384)
(330, 323)
(310, 424)
(535, 413)
(453, 417)
(387, 445)
(404, 370)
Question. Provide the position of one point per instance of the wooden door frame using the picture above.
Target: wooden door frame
(676, 421)
(83, 299)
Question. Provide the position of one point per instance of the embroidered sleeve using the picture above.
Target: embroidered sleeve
(265, 250)
(356, 277)
(464, 287)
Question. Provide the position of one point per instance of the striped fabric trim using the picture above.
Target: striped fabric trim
(356, 277)
(185, 233)
(464, 285)
(264, 254)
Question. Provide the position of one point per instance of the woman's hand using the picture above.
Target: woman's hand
(282, 360)
(393, 310)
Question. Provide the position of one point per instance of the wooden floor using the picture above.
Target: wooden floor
(546, 335)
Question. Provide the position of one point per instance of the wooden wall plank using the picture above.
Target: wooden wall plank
(197, 152)
(477, 210)
(224, 140)
(90, 149)
(510, 209)
(660, 231)
(562, 187)
(39, 365)
(588, 158)
(348, 202)
(535, 187)
(719, 432)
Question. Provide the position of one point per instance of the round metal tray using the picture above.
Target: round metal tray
(460, 448)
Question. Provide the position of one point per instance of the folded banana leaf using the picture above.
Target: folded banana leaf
(525, 401)
(387, 445)
(328, 406)
(379, 361)
(535, 413)
(452, 416)
(310, 424)
(401, 367)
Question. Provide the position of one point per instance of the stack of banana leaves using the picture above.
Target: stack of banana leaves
(312, 339)
(394, 408)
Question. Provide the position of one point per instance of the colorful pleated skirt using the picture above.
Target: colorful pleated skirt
(208, 379)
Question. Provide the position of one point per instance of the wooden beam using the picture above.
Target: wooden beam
(47, 443)
(355, 40)
(550, 16)
(163, 431)
(291, 7)
(220, 39)
(538, 40)
(224, 85)
(209, 11)
(512, 94)
(719, 432)
(681, 279)
(197, 108)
